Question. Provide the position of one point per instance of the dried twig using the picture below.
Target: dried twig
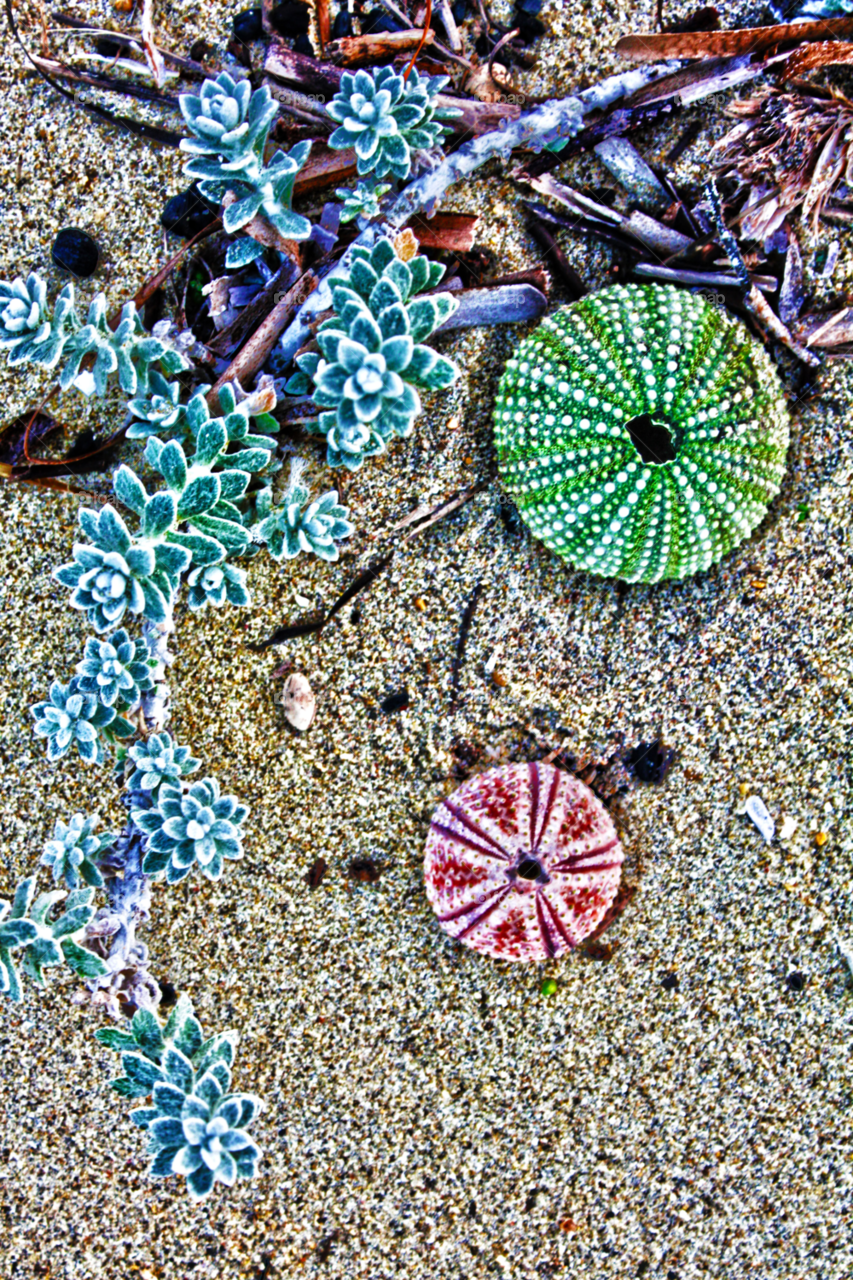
(152, 54)
(250, 358)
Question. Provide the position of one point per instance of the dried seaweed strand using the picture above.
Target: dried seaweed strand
(462, 643)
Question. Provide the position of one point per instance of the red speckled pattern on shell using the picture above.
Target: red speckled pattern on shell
(522, 862)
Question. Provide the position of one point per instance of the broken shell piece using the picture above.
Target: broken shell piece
(756, 809)
(298, 702)
(788, 827)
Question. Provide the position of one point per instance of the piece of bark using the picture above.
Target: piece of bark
(537, 276)
(760, 307)
(506, 304)
(252, 356)
(372, 50)
(444, 13)
(445, 232)
(653, 234)
(811, 57)
(791, 293)
(298, 71)
(650, 46)
(302, 106)
(325, 168)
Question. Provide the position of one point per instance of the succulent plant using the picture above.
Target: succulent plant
(374, 362)
(216, 583)
(195, 1127)
(386, 117)
(75, 718)
(33, 338)
(15, 931)
(72, 852)
(116, 573)
(362, 201)
(159, 411)
(158, 760)
(115, 670)
(184, 828)
(26, 925)
(642, 432)
(230, 125)
(287, 529)
(25, 329)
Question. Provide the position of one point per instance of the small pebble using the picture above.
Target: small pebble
(75, 251)
(499, 679)
(650, 761)
(756, 810)
(669, 982)
(290, 19)
(796, 981)
(529, 6)
(298, 702)
(529, 28)
(364, 870)
(420, 604)
(820, 839)
(248, 26)
(460, 10)
(187, 213)
(549, 987)
(788, 827)
(302, 44)
(395, 702)
(342, 26)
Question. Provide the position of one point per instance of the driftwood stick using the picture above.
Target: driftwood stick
(188, 65)
(370, 51)
(252, 356)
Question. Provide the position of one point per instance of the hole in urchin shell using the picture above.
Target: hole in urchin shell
(529, 869)
(652, 440)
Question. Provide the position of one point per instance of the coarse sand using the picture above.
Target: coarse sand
(680, 1107)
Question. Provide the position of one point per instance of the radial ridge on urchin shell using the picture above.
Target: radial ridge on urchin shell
(522, 862)
(642, 432)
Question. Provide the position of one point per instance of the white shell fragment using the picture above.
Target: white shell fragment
(298, 702)
(789, 826)
(756, 809)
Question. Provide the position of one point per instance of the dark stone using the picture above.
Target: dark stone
(187, 213)
(247, 26)
(342, 26)
(315, 876)
(168, 994)
(531, 7)
(796, 981)
(200, 49)
(302, 44)
(529, 28)
(75, 251)
(460, 10)
(107, 48)
(290, 19)
(669, 982)
(650, 761)
(378, 22)
(395, 702)
(364, 870)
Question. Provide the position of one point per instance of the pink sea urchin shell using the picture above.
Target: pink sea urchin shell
(522, 862)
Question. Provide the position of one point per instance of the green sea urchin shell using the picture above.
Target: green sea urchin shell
(642, 433)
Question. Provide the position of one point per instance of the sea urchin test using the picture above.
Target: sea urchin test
(642, 432)
(522, 862)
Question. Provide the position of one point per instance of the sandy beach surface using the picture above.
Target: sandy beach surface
(680, 1107)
